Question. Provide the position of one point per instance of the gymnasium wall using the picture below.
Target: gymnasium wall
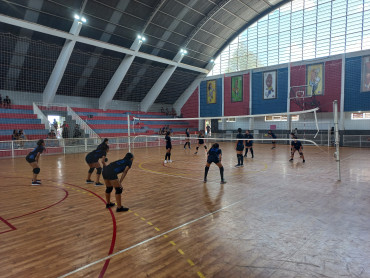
(332, 84)
(268, 106)
(190, 108)
(212, 109)
(354, 99)
(236, 108)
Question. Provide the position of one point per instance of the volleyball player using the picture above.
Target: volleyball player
(103, 144)
(214, 156)
(168, 147)
(296, 146)
(110, 177)
(273, 136)
(92, 159)
(33, 159)
(187, 139)
(200, 141)
(248, 143)
(239, 147)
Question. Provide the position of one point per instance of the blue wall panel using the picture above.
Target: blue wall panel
(268, 106)
(214, 109)
(354, 100)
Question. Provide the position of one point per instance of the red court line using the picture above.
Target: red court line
(12, 228)
(114, 235)
(44, 207)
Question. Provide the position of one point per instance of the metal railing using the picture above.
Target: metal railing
(43, 118)
(357, 141)
(88, 130)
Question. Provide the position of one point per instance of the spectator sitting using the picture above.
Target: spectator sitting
(15, 135)
(167, 112)
(65, 132)
(1, 101)
(173, 112)
(160, 131)
(22, 137)
(162, 110)
(77, 132)
(52, 135)
(7, 102)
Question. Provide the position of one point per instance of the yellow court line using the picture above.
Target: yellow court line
(172, 243)
(190, 262)
(181, 252)
(157, 229)
(200, 274)
(142, 218)
(150, 223)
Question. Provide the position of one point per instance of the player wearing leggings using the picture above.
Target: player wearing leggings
(187, 139)
(168, 147)
(214, 156)
(200, 142)
(92, 159)
(33, 159)
(248, 143)
(110, 176)
(273, 136)
(239, 147)
(296, 146)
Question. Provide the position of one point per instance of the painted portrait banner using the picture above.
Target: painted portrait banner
(211, 91)
(269, 85)
(236, 88)
(365, 74)
(315, 80)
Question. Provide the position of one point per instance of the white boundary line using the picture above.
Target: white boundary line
(145, 241)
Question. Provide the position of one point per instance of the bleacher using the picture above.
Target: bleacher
(21, 117)
(113, 123)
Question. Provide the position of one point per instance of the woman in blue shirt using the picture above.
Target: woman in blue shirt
(33, 159)
(110, 176)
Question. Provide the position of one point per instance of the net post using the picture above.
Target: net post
(128, 126)
(335, 109)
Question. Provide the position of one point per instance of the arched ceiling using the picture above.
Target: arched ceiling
(203, 27)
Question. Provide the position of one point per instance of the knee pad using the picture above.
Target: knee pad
(98, 170)
(91, 170)
(205, 147)
(36, 170)
(301, 153)
(118, 190)
(109, 189)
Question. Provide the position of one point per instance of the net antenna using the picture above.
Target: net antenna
(303, 99)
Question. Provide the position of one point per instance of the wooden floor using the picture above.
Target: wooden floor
(272, 219)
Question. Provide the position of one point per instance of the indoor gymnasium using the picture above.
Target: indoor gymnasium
(185, 138)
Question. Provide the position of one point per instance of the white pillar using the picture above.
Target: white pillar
(343, 76)
(289, 118)
(61, 64)
(118, 76)
(154, 92)
(251, 120)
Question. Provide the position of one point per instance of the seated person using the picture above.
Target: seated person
(77, 132)
(22, 137)
(7, 102)
(15, 135)
(1, 101)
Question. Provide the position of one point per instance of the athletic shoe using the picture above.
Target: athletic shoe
(273, 148)
(35, 183)
(110, 205)
(165, 162)
(241, 165)
(39, 181)
(252, 156)
(89, 181)
(205, 180)
(245, 155)
(223, 182)
(196, 153)
(291, 159)
(98, 184)
(170, 161)
(304, 161)
(122, 209)
(237, 165)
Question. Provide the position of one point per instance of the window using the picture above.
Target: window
(360, 116)
(299, 30)
(280, 118)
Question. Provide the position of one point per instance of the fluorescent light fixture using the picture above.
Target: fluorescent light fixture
(141, 38)
(77, 16)
(83, 19)
(212, 61)
(183, 51)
